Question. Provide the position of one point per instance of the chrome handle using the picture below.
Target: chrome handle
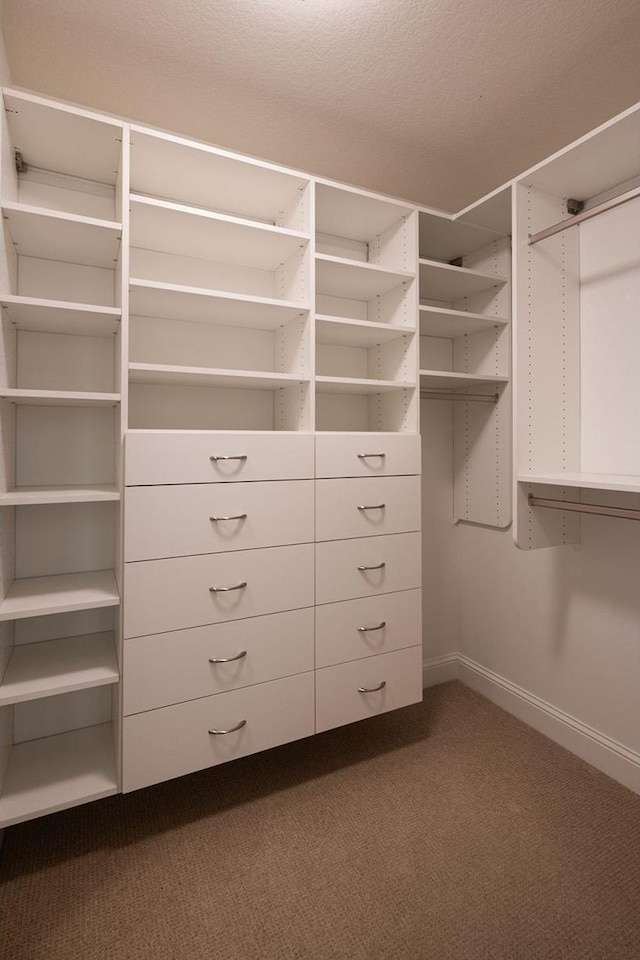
(380, 686)
(366, 456)
(237, 586)
(238, 726)
(241, 457)
(375, 566)
(382, 624)
(238, 656)
(237, 516)
(372, 506)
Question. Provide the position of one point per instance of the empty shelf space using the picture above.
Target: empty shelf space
(41, 596)
(358, 385)
(79, 493)
(355, 279)
(58, 316)
(449, 380)
(357, 333)
(615, 482)
(210, 377)
(148, 298)
(438, 322)
(59, 398)
(192, 232)
(53, 235)
(441, 238)
(55, 773)
(46, 669)
(441, 281)
(344, 212)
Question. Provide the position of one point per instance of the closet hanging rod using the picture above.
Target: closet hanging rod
(570, 506)
(585, 215)
(463, 397)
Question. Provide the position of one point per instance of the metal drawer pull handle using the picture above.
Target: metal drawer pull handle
(238, 516)
(372, 506)
(238, 656)
(380, 686)
(238, 726)
(382, 624)
(241, 457)
(376, 566)
(366, 456)
(237, 586)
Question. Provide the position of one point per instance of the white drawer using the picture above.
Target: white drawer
(366, 507)
(166, 743)
(166, 456)
(359, 454)
(177, 520)
(361, 628)
(168, 668)
(338, 576)
(339, 700)
(164, 595)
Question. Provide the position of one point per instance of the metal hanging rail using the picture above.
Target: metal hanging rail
(570, 506)
(463, 397)
(585, 215)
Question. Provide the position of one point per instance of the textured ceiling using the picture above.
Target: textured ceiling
(437, 101)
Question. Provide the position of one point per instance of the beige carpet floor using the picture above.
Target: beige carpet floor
(445, 831)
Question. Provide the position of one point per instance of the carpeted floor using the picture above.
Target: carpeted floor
(445, 831)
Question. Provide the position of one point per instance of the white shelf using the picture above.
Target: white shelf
(357, 333)
(441, 238)
(55, 773)
(210, 376)
(59, 398)
(58, 316)
(359, 386)
(67, 140)
(438, 322)
(53, 235)
(355, 279)
(445, 380)
(41, 596)
(79, 493)
(192, 232)
(616, 482)
(47, 669)
(170, 301)
(441, 281)
(347, 212)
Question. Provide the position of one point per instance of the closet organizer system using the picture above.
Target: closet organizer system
(210, 389)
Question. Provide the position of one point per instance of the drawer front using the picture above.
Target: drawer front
(359, 455)
(361, 628)
(178, 520)
(166, 743)
(164, 595)
(179, 457)
(367, 507)
(169, 668)
(339, 699)
(338, 576)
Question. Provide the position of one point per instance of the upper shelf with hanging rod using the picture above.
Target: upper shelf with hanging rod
(584, 214)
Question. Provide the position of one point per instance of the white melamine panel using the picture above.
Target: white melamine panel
(41, 596)
(177, 520)
(52, 235)
(159, 373)
(172, 594)
(67, 282)
(588, 481)
(168, 668)
(59, 398)
(366, 456)
(54, 361)
(55, 191)
(47, 669)
(339, 699)
(441, 322)
(355, 333)
(354, 214)
(355, 629)
(367, 507)
(47, 493)
(441, 281)
(59, 772)
(353, 280)
(395, 559)
(445, 380)
(166, 743)
(51, 316)
(61, 538)
(64, 445)
(185, 457)
(49, 716)
(610, 341)
(444, 239)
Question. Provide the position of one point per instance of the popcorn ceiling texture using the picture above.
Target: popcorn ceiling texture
(437, 101)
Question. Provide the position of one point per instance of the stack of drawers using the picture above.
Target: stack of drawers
(221, 579)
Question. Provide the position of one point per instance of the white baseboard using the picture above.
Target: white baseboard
(613, 758)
